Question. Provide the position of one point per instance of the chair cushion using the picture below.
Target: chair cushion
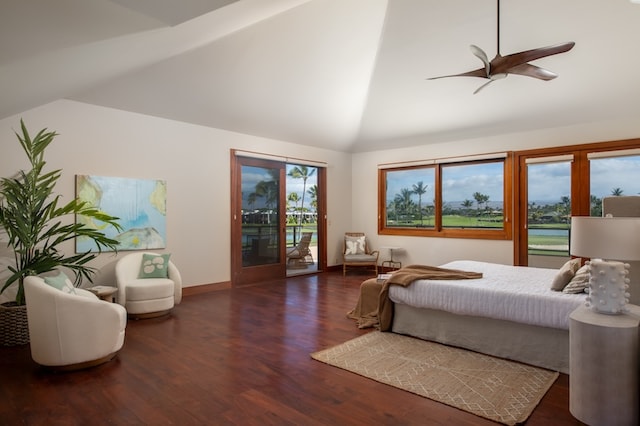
(154, 266)
(61, 282)
(354, 245)
(354, 258)
(293, 252)
(149, 288)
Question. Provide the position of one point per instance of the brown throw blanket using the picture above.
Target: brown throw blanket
(374, 307)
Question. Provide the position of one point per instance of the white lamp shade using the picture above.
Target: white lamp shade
(612, 238)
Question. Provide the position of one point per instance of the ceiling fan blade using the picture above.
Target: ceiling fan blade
(501, 64)
(493, 78)
(483, 86)
(480, 72)
(483, 57)
(529, 70)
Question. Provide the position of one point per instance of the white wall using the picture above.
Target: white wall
(436, 251)
(194, 160)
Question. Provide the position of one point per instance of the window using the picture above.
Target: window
(410, 198)
(612, 173)
(460, 199)
(548, 206)
(473, 195)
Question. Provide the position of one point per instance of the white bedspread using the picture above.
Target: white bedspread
(514, 293)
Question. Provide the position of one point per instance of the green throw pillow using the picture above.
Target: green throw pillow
(61, 282)
(154, 266)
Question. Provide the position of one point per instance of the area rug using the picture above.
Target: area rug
(493, 388)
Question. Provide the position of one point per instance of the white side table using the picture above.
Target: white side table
(391, 264)
(104, 292)
(604, 367)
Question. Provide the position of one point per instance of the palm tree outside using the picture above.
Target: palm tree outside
(467, 204)
(420, 188)
(304, 173)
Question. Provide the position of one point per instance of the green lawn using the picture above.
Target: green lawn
(453, 221)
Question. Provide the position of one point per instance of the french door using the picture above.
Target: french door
(556, 183)
(545, 235)
(257, 220)
(273, 204)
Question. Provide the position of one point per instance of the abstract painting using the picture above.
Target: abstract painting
(140, 205)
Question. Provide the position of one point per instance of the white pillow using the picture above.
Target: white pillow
(354, 245)
(580, 281)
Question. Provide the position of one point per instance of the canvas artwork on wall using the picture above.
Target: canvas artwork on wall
(139, 203)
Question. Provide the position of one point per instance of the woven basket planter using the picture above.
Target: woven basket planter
(14, 328)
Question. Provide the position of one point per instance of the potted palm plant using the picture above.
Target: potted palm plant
(34, 225)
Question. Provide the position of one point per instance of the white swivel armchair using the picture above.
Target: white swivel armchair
(71, 331)
(147, 297)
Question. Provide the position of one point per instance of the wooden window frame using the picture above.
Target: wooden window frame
(504, 233)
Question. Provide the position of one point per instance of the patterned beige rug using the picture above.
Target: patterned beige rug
(493, 388)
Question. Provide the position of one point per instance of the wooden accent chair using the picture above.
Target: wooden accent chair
(356, 252)
(299, 257)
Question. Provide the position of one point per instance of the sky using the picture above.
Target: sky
(549, 182)
(459, 182)
(610, 173)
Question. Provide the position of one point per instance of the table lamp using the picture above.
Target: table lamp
(613, 238)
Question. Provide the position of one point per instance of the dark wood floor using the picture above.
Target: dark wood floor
(237, 357)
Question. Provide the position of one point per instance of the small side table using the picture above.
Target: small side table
(604, 366)
(391, 264)
(104, 292)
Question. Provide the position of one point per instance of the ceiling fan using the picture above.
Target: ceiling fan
(516, 63)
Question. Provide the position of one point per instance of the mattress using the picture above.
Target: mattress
(513, 293)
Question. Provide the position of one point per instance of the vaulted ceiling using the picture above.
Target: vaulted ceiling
(347, 75)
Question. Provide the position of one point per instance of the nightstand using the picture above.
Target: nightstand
(604, 367)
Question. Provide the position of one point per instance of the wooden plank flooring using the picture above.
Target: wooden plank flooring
(234, 357)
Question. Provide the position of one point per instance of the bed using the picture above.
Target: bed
(511, 312)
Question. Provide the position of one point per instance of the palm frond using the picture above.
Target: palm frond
(33, 219)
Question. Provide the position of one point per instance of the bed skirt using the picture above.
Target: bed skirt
(540, 346)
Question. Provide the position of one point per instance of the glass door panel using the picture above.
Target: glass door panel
(303, 204)
(258, 220)
(548, 213)
(260, 216)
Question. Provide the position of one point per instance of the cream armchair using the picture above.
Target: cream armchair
(71, 331)
(146, 297)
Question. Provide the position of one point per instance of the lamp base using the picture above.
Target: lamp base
(608, 286)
